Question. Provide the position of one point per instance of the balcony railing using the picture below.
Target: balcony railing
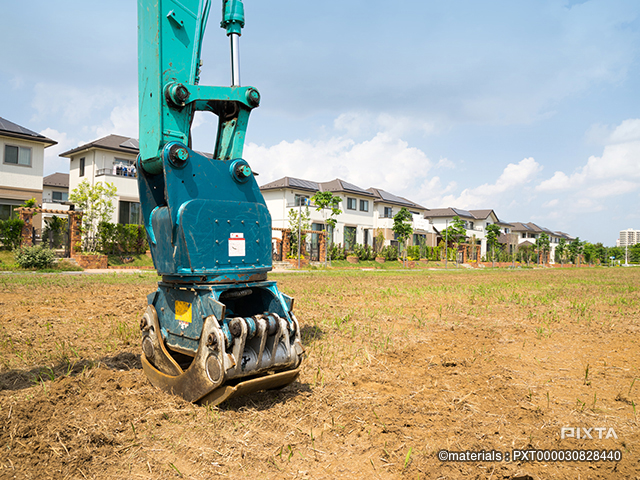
(109, 172)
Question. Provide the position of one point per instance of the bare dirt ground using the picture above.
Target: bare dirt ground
(399, 367)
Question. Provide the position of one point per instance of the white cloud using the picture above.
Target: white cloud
(445, 163)
(627, 131)
(615, 172)
(360, 123)
(384, 161)
(123, 120)
(559, 181)
(52, 161)
(514, 176)
(74, 104)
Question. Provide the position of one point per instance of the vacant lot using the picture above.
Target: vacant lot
(400, 366)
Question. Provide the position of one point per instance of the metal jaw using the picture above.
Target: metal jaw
(208, 379)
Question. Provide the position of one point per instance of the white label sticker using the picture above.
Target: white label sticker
(236, 245)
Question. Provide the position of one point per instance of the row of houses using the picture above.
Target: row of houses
(367, 214)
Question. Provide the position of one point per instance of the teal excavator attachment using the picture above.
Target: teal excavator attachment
(216, 327)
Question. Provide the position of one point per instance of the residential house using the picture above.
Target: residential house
(21, 166)
(386, 205)
(363, 211)
(354, 224)
(526, 234)
(475, 222)
(55, 193)
(109, 159)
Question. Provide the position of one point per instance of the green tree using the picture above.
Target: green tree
(299, 219)
(561, 250)
(456, 233)
(327, 201)
(589, 252)
(31, 203)
(96, 203)
(493, 232)
(402, 227)
(575, 250)
(616, 252)
(11, 233)
(634, 253)
(542, 246)
(601, 253)
(525, 252)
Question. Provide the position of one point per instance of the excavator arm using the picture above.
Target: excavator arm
(216, 326)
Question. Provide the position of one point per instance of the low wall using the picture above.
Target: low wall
(91, 261)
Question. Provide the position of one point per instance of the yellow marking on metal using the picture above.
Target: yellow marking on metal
(183, 311)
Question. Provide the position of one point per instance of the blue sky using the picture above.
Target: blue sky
(527, 107)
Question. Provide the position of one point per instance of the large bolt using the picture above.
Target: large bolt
(235, 327)
(177, 94)
(253, 97)
(212, 340)
(144, 324)
(178, 155)
(243, 171)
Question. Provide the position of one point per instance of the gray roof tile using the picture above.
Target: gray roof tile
(14, 130)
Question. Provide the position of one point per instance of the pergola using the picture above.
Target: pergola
(75, 219)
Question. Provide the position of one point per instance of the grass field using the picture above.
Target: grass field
(400, 365)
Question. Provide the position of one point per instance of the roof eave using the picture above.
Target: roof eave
(86, 148)
(47, 141)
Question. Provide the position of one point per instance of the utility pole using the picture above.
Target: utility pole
(446, 243)
(299, 223)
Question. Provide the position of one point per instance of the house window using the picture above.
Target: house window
(351, 203)
(524, 235)
(349, 237)
(5, 212)
(364, 205)
(17, 155)
(470, 225)
(129, 213)
(82, 167)
(388, 212)
(300, 200)
(59, 197)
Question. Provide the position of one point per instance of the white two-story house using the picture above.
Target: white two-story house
(476, 222)
(109, 159)
(386, 205)
(21, 167)
(364, 212)
(354, 224)
(528, 234)
(55, 194)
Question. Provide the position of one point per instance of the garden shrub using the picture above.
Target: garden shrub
(35, 257)
(11, 232)
(413, 252)
(336, 252)
(116, 239)
(363, 252)
(390, 253)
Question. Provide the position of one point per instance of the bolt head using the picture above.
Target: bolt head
(253, 97)
(178, 155)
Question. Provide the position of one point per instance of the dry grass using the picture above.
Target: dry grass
(399, 366)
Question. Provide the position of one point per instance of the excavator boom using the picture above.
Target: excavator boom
(215, 327)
